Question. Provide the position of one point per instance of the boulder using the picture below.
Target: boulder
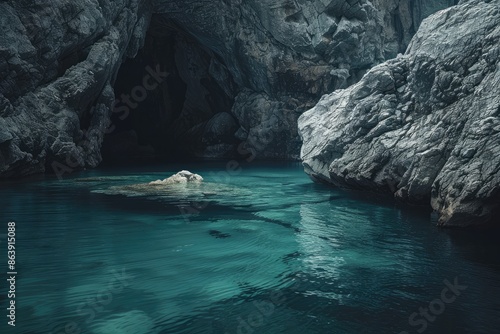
(183, 176)
(425, 126)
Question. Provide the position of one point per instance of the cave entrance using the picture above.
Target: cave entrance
(173, 100)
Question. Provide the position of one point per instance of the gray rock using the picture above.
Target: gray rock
(283, 55)
(424, 126)
(59, 62)
(214, 138)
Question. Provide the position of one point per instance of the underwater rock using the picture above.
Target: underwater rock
(219, 234)
(194, 191)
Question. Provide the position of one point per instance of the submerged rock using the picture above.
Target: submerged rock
(218, 234)
(181, 190)
(425, 126)
(183, 176)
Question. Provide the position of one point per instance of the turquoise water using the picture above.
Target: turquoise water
(260, 251)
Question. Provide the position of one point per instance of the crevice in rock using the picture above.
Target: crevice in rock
(398, 26)
(297, 17)
(68, 60)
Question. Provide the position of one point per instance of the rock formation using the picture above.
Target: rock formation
(424, 126)
(58, 62)
(283, 55)
(183, 176)
(249, 67)
(191, 193)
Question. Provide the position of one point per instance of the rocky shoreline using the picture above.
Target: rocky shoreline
(227, 77)
(425, 126)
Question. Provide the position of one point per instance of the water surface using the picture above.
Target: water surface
(263, 250)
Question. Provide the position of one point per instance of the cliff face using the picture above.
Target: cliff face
(250, 66)
(58, 61)
(425, 126)
(283, 55)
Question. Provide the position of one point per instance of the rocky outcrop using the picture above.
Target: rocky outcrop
(184, 176)
(425, 126)
(253, 66)
(58, 62)
(283, 55)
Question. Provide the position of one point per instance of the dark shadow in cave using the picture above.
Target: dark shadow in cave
(173, 101)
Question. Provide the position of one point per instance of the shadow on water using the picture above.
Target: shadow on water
(371, 198)
(477, 246)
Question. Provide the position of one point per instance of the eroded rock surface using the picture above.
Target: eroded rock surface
(425, 126)
(283, 55)
(262, 63)
(58, 60)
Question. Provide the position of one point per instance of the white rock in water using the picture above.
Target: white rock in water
(183, 176)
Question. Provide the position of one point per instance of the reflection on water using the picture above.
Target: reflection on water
(264, 251)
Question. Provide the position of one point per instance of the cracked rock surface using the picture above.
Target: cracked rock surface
(59, 62)
(57, 65)
(425, 126)
(284, 55)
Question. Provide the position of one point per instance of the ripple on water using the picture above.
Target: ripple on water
(341, 265)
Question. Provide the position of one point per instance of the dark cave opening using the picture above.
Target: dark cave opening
(172, 101)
